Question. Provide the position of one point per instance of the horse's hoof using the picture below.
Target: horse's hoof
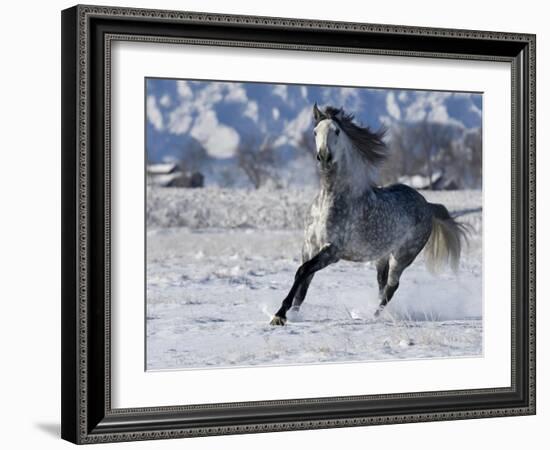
(280, 321)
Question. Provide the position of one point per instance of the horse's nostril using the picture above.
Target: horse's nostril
(324, 156)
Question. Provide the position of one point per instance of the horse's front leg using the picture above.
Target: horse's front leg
(328, 255)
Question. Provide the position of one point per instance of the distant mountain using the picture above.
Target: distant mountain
(209, 122)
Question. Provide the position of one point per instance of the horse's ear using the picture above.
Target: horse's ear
(317, 114)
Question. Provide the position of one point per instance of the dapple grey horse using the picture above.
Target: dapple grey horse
(352, 219)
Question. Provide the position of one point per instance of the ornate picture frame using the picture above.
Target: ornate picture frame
(88, 33)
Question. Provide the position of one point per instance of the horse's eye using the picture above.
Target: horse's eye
(314, 133)
(337, 131)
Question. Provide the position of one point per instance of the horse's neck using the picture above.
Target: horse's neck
(338, 187)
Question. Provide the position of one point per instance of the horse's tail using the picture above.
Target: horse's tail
(445, 242)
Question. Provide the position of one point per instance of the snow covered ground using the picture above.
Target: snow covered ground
(219, 263)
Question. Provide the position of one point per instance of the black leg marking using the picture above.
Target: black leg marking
(302, 292)
(386, 296)
(382, 269)
(396, 265)
(328, 255)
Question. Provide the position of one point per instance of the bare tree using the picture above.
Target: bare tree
(397, 162)
(473, 142)
(428, 143)
(257, 161)
(428, 147)
(432, 138)
(192, 156)
(405, 158)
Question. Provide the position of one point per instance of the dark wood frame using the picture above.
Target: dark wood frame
(87, 32)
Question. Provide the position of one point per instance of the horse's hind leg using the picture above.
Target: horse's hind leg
(397, 263)
(394, 271)
(391, 276)
(382, 269)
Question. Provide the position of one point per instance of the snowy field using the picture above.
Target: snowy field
(220, 261)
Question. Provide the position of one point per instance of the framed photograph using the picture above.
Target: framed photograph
(279, 224)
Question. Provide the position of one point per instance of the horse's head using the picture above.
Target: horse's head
(346, 148)
(329, 139)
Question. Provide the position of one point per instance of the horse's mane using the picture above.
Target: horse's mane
(368, 143)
